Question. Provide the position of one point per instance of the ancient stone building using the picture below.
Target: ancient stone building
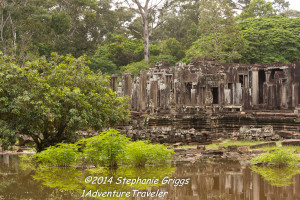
(202, 94)
(206, 83)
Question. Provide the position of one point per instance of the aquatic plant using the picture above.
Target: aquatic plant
(140, 153)
(61, 155)
(104, 149)
(277, 158)
(109, 149)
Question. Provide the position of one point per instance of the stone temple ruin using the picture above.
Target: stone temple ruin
(206, 99)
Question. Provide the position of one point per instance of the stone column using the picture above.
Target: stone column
(283, 96)
(255, 87)
(127, 84)
(142, 91)
(193, 96)
(295, 95)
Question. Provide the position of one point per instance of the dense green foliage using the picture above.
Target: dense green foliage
(108, 149)
(50, 100)
(274, 39)
(50, 97)
(105, 149)
(277, 158)
(141, 153)
(60, 155)
(112, 35)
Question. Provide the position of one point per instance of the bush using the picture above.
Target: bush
(277, 158)
(141, 153)
(51, 100)
(61, 155)
(105, 149)
(109, 149)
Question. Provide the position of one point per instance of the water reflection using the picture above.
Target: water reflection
(224, 180)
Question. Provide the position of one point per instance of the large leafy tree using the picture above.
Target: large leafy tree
(220, 38)
(150, 13)
(51, 101)
(271, 39)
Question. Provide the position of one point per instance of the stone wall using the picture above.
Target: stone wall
(211, 84)
(205, 100)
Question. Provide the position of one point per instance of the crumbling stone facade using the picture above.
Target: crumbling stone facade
(210, 97)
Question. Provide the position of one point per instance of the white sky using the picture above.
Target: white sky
(295, 4)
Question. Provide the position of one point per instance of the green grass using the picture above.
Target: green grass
(278, 146)
(228, 142)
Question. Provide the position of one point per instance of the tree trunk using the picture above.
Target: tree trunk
(146, 42)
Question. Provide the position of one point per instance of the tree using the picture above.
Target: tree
(258, 8)
(290, 13)
(51, 101)
(172, 47)
(271, 39)
(220, 38)
(149, 18)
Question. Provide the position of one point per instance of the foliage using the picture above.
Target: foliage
(109, 149)
(271, 39)
(61, 155)
(155, 59)
(105, 149)
(258, 8)
(7, 136)
(102, 61)
(51, 100)
(220, 38)
(173, 48)
(277, 158)
(140, 153)
(119, 51)
(278, 177)
(135, 68)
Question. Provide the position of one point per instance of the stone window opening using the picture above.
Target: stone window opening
(273, 71)
(243, 80)
(215, 93)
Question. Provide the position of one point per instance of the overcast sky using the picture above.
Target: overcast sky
(295, 4)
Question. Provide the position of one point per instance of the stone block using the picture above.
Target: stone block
(295, 142)
(263, 145)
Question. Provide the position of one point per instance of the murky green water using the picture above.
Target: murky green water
(217, 180)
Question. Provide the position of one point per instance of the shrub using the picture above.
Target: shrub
(104, 149)
(141, 153)
(60, 155)
(277, 158)
(109, 149)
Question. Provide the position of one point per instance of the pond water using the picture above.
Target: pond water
(213, 180)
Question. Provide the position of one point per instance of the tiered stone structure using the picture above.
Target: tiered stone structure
(207, 99)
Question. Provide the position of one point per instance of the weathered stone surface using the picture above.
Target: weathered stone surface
(263, 145)
(242, 149)
(232, 148)
(256, 151)
(295, 142)
(285, 134)
(253, 133)
(201, 147)
(206, 100)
